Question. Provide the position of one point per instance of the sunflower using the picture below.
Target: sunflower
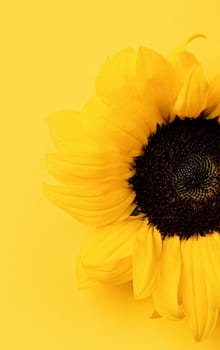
(140, 163)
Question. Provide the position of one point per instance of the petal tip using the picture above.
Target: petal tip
(195, 36)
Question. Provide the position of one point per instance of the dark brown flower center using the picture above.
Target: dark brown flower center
(177, 178)
(195, 178)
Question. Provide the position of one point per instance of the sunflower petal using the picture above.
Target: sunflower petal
(167, 293)
(84, 281)
(93, 122)
(145, 261)
(157, 83)
(115, 82)
(197, 296)
(106, 256)
(66, 130)
(68, 167)
(183, 60)
(94, 210)
(211, 248)
(213, 101)
(192, 98)
(96, 189)
(113, 273)
(122, 127)
(125, 122)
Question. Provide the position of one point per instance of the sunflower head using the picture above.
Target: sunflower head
(141, 164)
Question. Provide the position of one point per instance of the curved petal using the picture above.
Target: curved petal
(112, 273)
(213, 101)
(192, 98)
(115, 82)
(183, 60)
(93, 117)
(106, 256)
(125, 123)
(166, 296)
(157, 83)
(145, 261)
(122, 127)
(69, 132)
(65, 129)
(210, 250)
(94, 210)
(195, 289)
(62, 124)
(70, 167)
(84, 281)
(97, 128)
(96, 189)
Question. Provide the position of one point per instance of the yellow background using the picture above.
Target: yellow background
(50, 55)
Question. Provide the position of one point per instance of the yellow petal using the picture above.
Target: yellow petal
(182, 60)
(213, 101)
(96, 189)
(145, 261)
(115, 82)
(166, 296)
(62, 123)
(192, 98)
(120, 127)
(95, 210)
(94, 126)
(66, 131)
(112, 273)
(210, 250)
(131, 127)
(124, 125)
(157, 83)
(106, 256)
(71, 167)
(195, 290)
(99, 128)
(148, 306)
(84, 281)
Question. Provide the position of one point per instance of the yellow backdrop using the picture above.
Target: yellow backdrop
(50, 54)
